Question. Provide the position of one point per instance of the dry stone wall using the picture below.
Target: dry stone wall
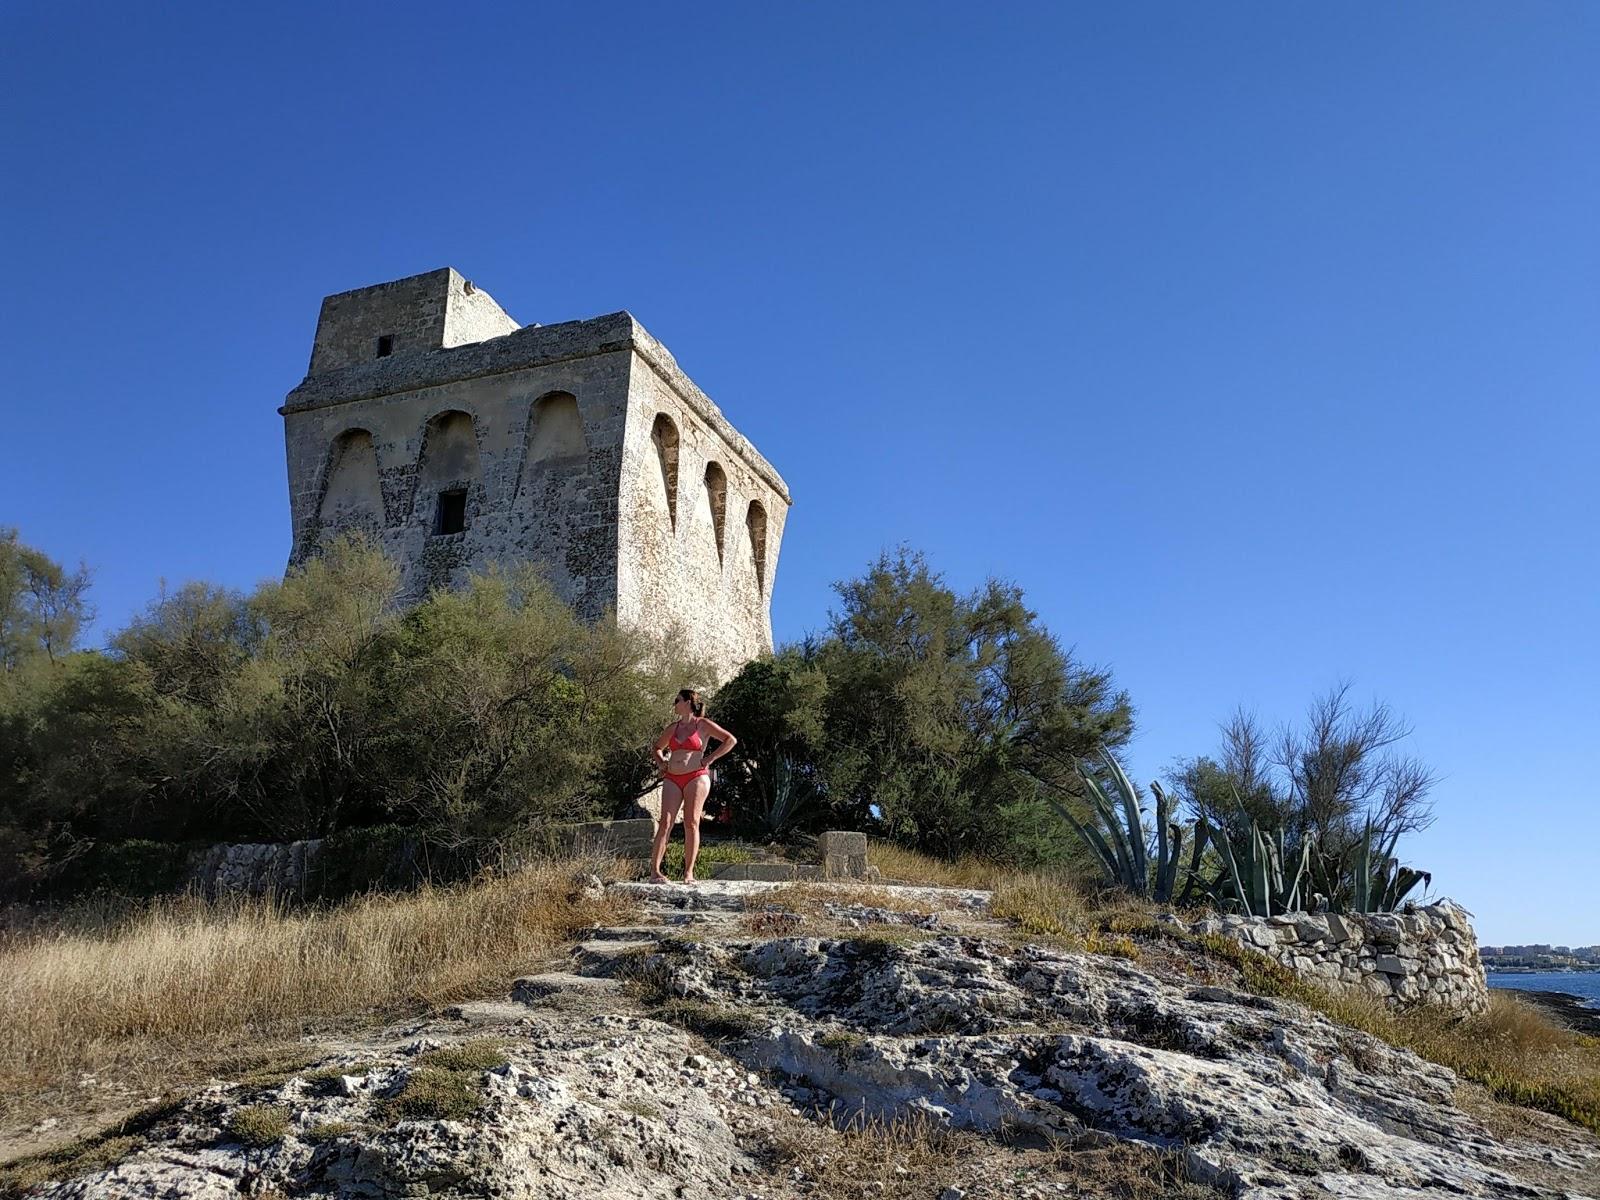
(1423, 955)
(256, 868)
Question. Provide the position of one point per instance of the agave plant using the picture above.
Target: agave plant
(1116, 833)
(1262, 877)
(1381, 885)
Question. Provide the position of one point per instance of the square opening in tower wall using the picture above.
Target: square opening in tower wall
(385, 346)
(452, 516)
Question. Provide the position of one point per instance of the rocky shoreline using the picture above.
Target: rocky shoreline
(1564, 1007)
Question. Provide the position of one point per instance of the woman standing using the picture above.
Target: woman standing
(685, 777)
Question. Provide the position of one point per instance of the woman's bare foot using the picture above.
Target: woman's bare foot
(690, 879)
(658, 877)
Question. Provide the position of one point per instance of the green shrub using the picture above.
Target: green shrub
(434, 1094)
(943, 721)
(480, 1054)
(135, 869)
(327, 1131)
(259, 1124)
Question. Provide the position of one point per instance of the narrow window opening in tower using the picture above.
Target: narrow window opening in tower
(452, 516)
(717, 492)
(755, 520)
(665, 436)
(385, 346)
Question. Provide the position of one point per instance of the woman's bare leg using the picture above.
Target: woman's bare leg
(694, 801)
(671, 801)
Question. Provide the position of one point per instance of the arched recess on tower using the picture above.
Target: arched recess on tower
(664, 437)
(755, 522)
(717, 501)
(556, 445)
(352, 497)
(449, 491)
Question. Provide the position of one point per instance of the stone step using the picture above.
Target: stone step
(601, 957)
(486, 1012)
(625, 933)
(531, 989)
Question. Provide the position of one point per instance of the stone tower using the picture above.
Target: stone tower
(457, 439)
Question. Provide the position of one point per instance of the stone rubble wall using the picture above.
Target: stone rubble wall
(1422, 955)
(256, 868)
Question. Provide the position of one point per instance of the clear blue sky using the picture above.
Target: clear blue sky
(1260, 343)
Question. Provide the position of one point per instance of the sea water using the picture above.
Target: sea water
(1583, 984)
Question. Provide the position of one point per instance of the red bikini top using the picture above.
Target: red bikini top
(692, 742)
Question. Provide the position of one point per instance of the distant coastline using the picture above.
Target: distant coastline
(1542, 970)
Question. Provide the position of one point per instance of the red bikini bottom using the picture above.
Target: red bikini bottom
(680, 780)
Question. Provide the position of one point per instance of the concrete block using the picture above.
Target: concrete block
(844, 854)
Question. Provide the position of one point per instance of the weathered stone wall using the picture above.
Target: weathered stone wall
(470, 313)
(256, 868)
(1425, 955)
(687, 551)
(548, 432)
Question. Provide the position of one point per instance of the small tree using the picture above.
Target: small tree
(942, 720)
(42, 605)
(777, 706)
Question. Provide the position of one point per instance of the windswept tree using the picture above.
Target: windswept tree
(945, 721)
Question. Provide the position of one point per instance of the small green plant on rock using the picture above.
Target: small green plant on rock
(842, 1042)
(327, 1132)
(434, 1094)
(480, 1054)
(259, 1124)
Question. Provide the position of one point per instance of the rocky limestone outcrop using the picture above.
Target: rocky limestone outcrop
(1421, 955)
(926, 1009)
(1268, 1099)
(597, 1108)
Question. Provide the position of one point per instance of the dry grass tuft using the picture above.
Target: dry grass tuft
(913, 1158)
(182, 975)
(259, 1124)
(96, 1152)
(327, 1131)
(1517, 1053)
(899, 865)
(435, 1094)
(480, 1054)
(1056, 909)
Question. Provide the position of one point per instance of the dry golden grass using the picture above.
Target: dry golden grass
(1055, 909)
(144, 993)
(899, 865)
(914, 1158)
